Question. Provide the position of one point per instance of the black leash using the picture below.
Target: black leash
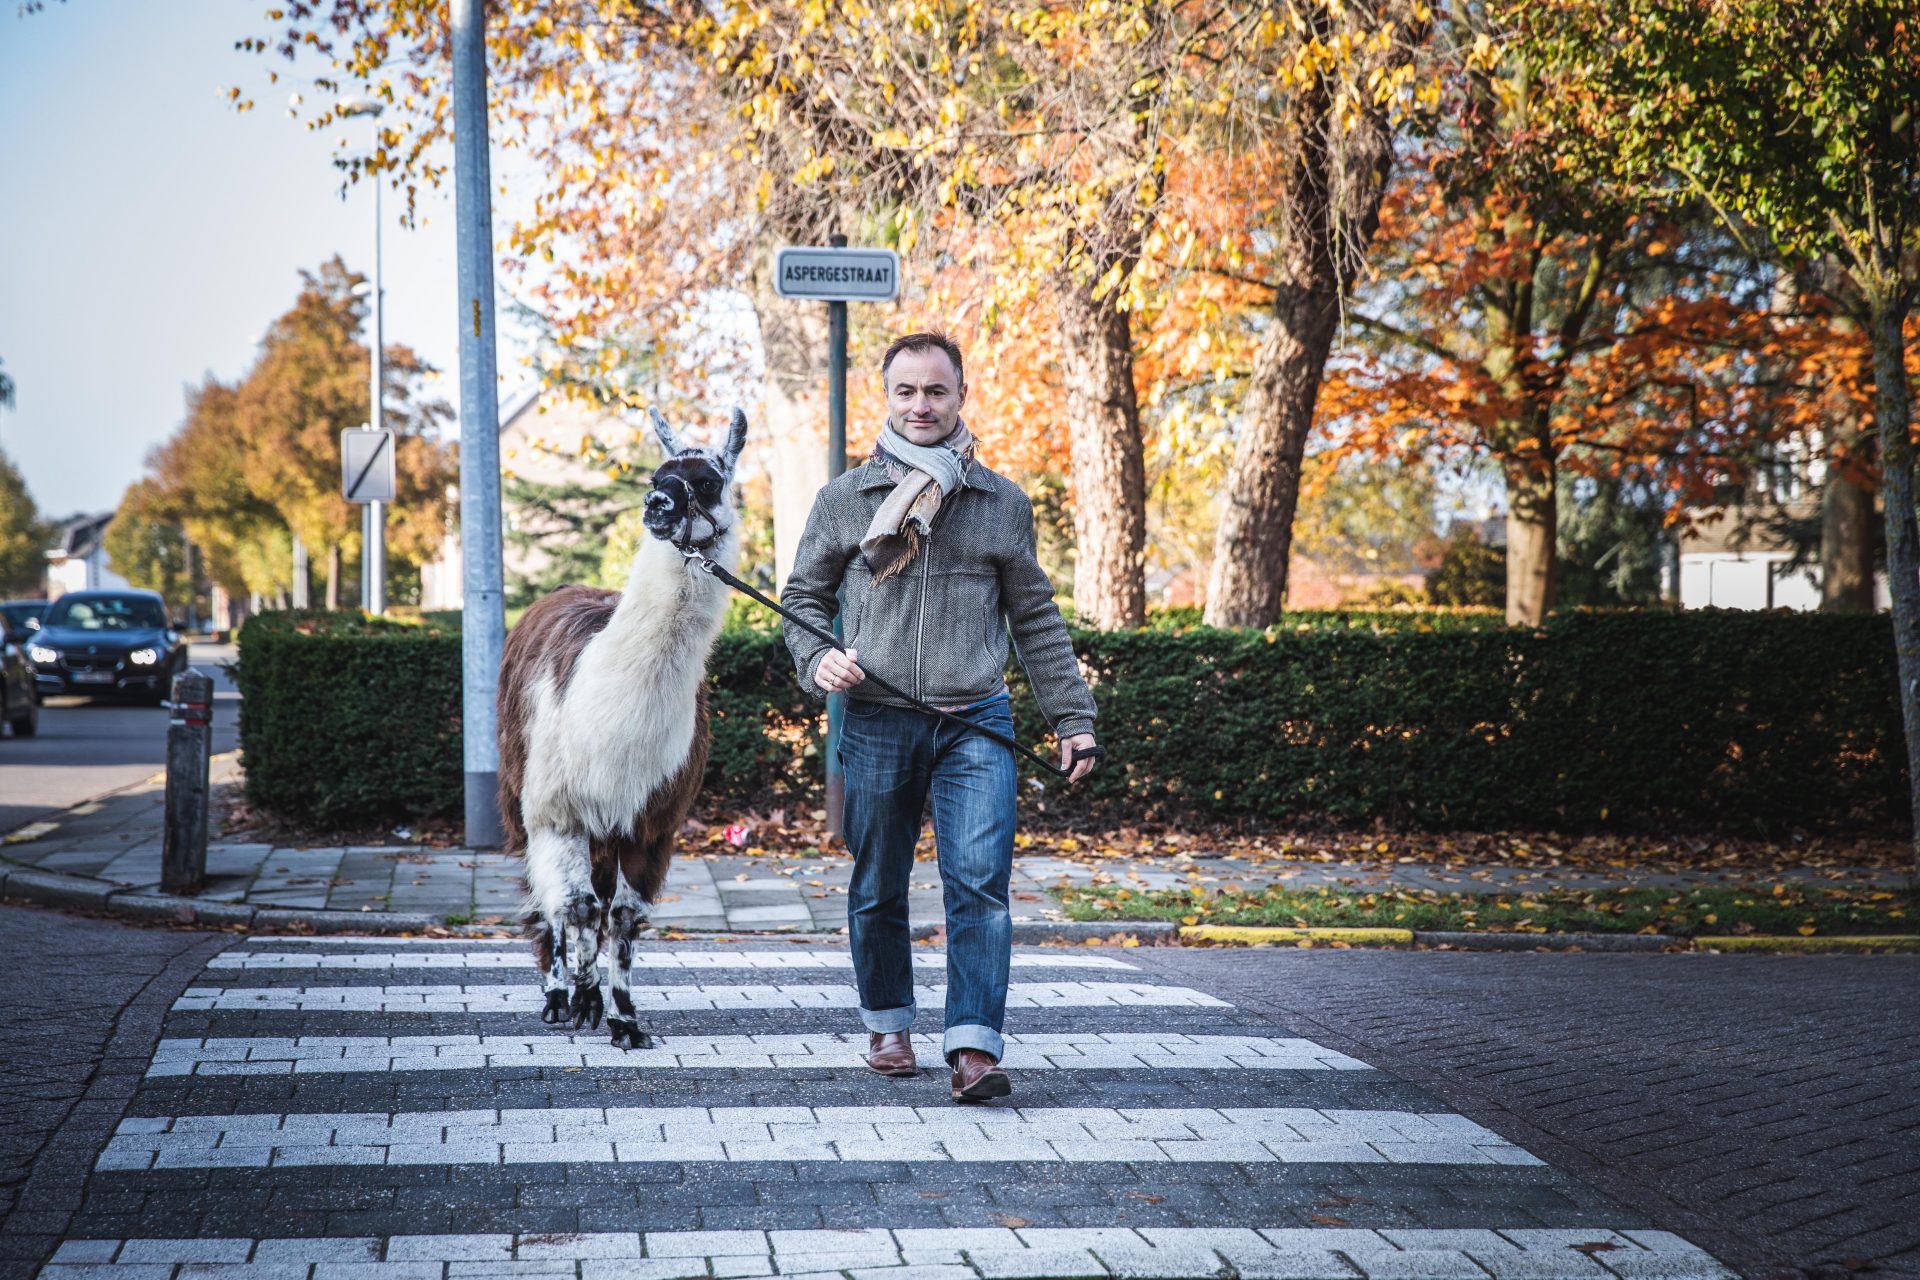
(1082, 753)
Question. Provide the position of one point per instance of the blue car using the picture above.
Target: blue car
(117, 643)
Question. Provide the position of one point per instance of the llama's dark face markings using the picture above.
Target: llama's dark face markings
(690, 503)
(689, 494)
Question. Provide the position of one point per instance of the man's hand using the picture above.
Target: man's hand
(838, 671)
(1068, 746)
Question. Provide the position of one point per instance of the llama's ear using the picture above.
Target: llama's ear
(668, 441)
(736, 437)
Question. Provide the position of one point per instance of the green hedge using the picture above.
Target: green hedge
(1653, 721)
(349, 721)
(1657, 721)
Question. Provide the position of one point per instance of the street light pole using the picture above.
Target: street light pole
(373, 515)
(483, 630)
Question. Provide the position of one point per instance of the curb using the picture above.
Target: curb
(1250, 933)
(1254, 935)
(52, 889)
(1810, 946)
(1549, 941)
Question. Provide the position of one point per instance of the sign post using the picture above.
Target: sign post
(836, 275)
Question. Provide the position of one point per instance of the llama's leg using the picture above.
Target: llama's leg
(560, 880)
(554, 979)
(625, 920)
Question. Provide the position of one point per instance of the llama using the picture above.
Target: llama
(603, 734)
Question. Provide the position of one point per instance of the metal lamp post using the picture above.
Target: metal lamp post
(373, 515)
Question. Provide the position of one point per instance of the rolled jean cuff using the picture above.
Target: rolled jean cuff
(973, 1036)
(900, 1019)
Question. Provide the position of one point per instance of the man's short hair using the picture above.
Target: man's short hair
(931, 341)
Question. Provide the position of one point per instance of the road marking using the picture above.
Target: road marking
(593, 1135)
(309, 1055)
(526, 997)
(966, 1253)
(642, 959)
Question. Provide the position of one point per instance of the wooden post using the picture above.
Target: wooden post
(183, 856)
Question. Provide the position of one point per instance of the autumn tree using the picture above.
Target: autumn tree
(23, 535)
(308, 385)
(1798, 120)
(147, 546)
(1317, 92)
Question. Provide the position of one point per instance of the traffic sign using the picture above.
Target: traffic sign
(822, 274)
(366, 465)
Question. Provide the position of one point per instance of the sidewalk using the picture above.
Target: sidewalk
(113, 845)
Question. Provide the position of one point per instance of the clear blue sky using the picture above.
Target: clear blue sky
(150, 233)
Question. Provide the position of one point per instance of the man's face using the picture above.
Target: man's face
(924, 395)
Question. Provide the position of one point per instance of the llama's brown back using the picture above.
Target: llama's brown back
(546, 641)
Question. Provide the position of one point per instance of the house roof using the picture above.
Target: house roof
(78, 537)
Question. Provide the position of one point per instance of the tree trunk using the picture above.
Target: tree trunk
(1109, 466)
(1893, 415)
(1533, 561)
(333, 575)
(1846, 538)
(1332, 207)
(1247, 585)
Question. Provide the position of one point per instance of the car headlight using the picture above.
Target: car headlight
(40, 653)
(144, 657)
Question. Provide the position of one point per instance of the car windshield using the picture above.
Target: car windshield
(107, 613)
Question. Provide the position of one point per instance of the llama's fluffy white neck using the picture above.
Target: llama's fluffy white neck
(668, 597)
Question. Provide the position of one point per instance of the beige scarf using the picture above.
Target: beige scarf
(922, 475)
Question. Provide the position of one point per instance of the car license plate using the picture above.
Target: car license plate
(93, 677)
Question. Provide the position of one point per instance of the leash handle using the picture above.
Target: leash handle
(1080, 753)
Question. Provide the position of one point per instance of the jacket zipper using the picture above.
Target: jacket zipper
(926, 571)
(919, 644)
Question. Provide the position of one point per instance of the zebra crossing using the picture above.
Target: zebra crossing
(296, 1123)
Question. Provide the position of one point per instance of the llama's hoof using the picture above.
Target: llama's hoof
(587, 1007)
(556, 1011)
(628, 1035)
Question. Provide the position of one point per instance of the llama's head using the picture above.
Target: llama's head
(691, 502)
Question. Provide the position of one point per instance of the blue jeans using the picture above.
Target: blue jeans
(893, 759)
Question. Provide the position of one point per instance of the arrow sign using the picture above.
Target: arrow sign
(821, 274)
(366, 465)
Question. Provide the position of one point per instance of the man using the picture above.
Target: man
(932, 558)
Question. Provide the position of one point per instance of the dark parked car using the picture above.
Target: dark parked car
(22, 615)
(19, 700)
(107, 642)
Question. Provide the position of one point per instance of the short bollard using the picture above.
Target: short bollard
(183, 856)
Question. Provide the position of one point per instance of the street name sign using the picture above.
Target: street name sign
(822, 274)
(366, 465)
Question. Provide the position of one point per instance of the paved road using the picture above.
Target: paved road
(290, 1102)
(88, 747)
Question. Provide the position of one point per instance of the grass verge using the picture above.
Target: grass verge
(1734, 910)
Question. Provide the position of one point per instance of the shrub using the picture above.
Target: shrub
(1748, 721)
(346, 720)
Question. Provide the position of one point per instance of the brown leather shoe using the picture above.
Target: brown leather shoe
(977, 1077)
(891, 1053)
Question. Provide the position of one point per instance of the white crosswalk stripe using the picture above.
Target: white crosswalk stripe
(1292, 1253)
(643, 959)
(311, 1055)
(593, 1135)
(525, 997)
